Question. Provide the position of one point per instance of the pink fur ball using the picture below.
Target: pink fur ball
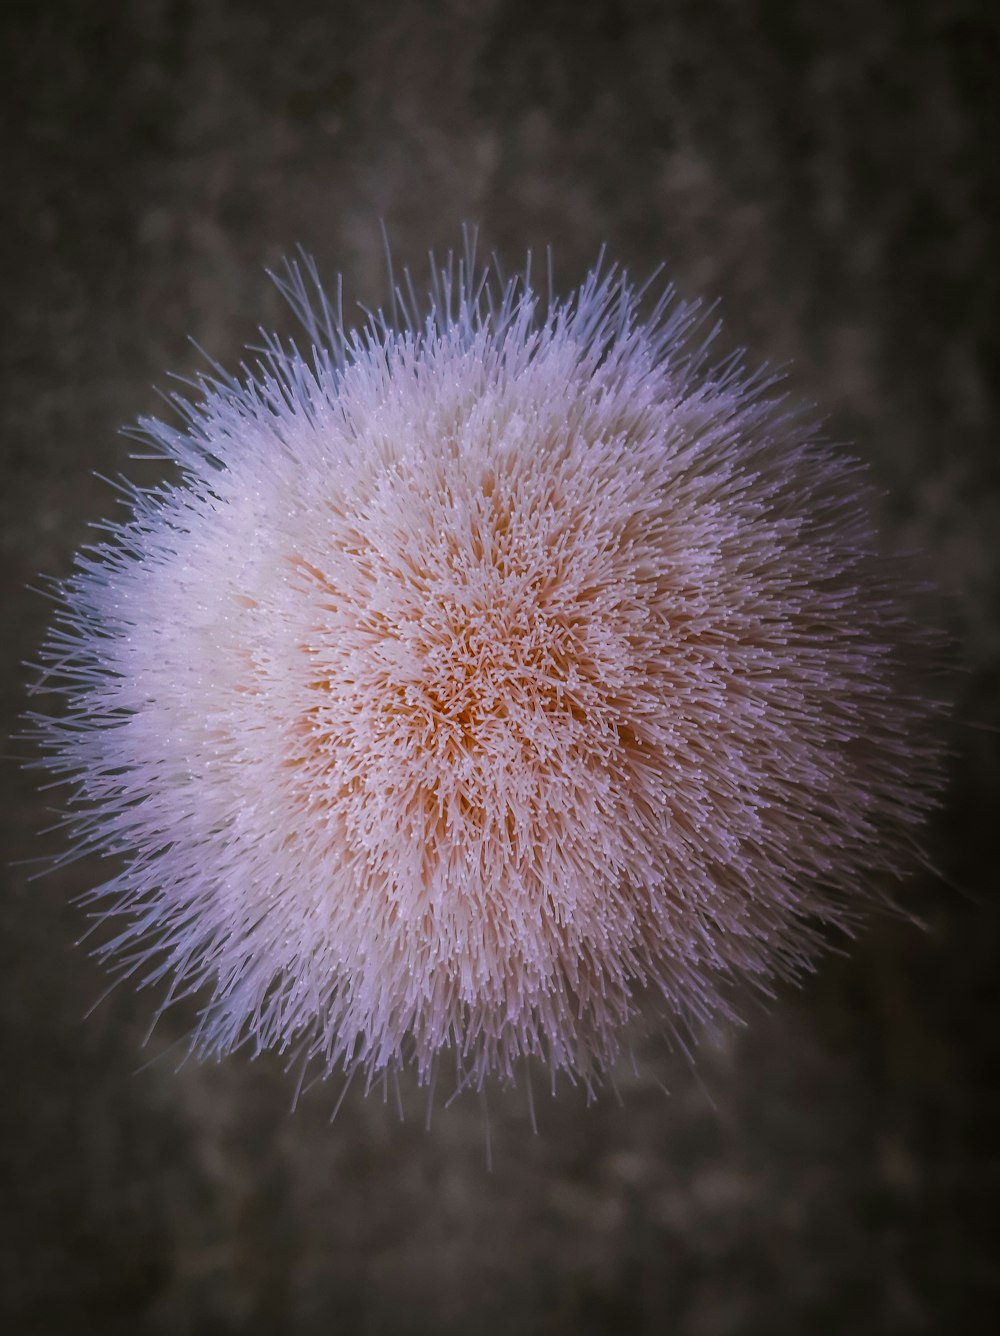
(485, 672)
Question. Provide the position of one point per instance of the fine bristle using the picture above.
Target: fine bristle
(486, 668)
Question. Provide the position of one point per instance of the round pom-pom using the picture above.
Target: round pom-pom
(486, 670)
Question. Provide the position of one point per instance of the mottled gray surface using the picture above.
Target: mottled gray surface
(828, 171)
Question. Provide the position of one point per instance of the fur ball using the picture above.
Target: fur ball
(483, 672)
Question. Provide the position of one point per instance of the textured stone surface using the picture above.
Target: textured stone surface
(829, 173)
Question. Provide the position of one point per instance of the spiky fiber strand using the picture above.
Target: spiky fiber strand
(486, 668)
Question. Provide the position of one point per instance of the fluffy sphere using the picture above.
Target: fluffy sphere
(483, 672)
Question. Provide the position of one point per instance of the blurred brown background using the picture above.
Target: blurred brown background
(830, 172)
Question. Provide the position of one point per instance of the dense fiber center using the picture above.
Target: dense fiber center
(466, 669)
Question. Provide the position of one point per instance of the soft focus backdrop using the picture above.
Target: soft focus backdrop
(828, 172)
